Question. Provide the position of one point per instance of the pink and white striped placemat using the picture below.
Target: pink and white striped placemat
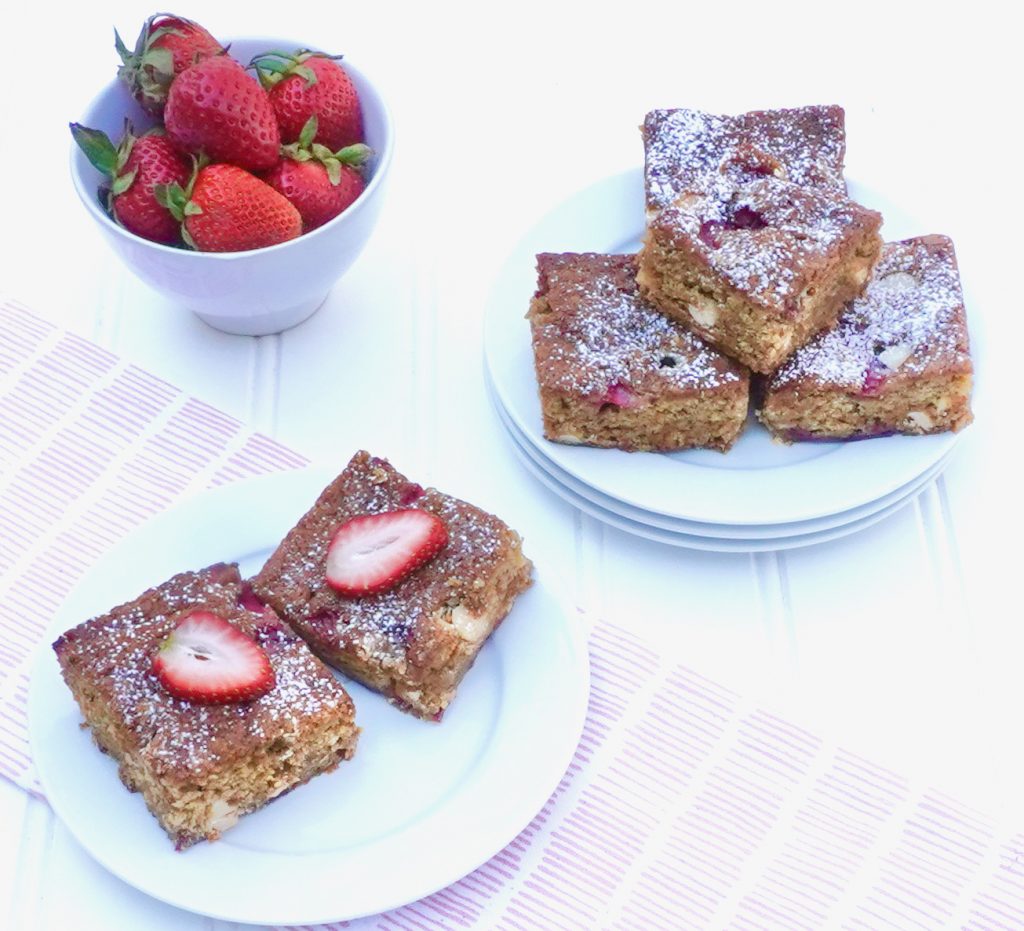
(686, 805)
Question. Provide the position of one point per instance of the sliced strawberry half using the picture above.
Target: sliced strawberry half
(206, 661)
(374, 552)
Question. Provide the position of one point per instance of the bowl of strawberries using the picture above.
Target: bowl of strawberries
(239, 178)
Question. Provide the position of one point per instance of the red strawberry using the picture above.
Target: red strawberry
(207, 661)
(215, 108)
(249, 600)
(374, 552)
(309, 84)
(320, 183)
(166, 46)
(874, 379)
(226, 209)
(134, 168)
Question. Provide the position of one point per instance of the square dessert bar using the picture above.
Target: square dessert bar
(200, 767)
(755, 264)
(898, 361)
(613, 371)
(681, 145)
(414, 642)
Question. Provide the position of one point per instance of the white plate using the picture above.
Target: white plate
(698, 528)
(353, 842)
(758, 481)
(768, 536)
(696, 542)
(735, 533)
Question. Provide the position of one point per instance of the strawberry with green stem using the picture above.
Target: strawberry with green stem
(135, 167)
(303, 84)
(320, 183)
(166, 46)
(224, 208)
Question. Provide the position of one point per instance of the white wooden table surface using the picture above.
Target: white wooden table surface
(905, 639)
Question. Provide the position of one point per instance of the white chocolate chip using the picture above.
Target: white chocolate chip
(897, 281)
(704, 312)
(894, 356)
(689, 200)
(471, 627)
(920, 419)
(222, 815)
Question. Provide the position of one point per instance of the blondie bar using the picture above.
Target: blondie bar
(612, 371)
(755, 264)
(898, 361)
(681, 145)
(415, 641)
(200, 767)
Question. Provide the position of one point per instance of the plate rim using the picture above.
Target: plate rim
(701, 529)
(575, 696)
(697, 528)
(683, 540)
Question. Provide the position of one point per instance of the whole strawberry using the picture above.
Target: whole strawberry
(308, 84)
(166, 46)
(226, 209)
(320, 183)
(214, 108)
(135, 167)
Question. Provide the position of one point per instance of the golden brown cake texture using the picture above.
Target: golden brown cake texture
(682, 145)
(200, 767)
(414, 642)
(898, 361)
(755, 264)
(612, 371)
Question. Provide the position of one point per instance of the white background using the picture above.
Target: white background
(906, 640)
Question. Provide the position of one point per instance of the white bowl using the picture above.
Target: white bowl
(262, 290)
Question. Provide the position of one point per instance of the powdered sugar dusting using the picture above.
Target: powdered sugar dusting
(598, 333)
(380, 632)
(681, 145)
(797, 227)
(115, 653)
(380, 627)
(909, 319)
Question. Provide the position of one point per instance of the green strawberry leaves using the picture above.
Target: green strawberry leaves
(148, 68)
(355, 155)
(121, 48)
(178, 199)
(305, 150)
(273, 67)
(122, 183)
(97, 147)
(106, 159)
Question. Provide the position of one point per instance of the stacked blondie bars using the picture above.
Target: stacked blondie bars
(758, 278)
(212, 693)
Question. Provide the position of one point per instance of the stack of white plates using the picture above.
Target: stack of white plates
(761, 495)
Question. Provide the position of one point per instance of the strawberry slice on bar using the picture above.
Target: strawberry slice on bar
(207, 661)
(374, 552)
